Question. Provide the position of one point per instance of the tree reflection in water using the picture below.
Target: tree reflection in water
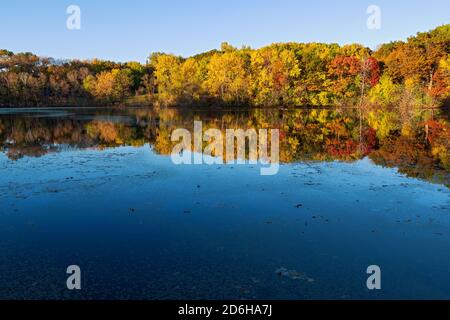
(420, 150)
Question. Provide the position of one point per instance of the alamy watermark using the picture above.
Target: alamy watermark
(374, 20)
(374, 280)
(73, 22)
(74, 280)
(189, 150)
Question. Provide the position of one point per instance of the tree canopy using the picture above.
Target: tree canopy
(413, 72)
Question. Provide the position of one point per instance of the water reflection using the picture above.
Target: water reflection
(305, 135)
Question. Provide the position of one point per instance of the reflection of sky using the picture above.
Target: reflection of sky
(130, 30)
(217, 228)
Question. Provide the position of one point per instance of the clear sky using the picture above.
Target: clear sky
(132, 29)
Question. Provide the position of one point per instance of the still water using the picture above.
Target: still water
(97, 188)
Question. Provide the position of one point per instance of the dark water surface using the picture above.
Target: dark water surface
(96, 188)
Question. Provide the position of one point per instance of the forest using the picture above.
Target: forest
(406, 75)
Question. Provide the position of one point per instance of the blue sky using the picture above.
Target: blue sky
(130, 30)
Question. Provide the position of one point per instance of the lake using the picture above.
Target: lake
(97, 188)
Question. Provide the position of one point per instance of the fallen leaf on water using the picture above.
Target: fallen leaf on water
(293, 274)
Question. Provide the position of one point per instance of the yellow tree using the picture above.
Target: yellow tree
(190, 81)
(274, 74)
(109, 86)
(168, 77)
(227, 77)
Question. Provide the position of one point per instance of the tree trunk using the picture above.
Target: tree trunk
(430, 84)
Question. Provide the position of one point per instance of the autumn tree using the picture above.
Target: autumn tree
(274, 73)
(228, 77)
(167, 77)
(344, 71)
(109, 86)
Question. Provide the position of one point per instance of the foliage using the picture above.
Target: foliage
(399, 77)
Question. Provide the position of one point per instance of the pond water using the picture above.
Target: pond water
(97, 188)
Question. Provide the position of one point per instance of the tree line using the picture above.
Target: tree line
(398, 77)
(29, 80)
